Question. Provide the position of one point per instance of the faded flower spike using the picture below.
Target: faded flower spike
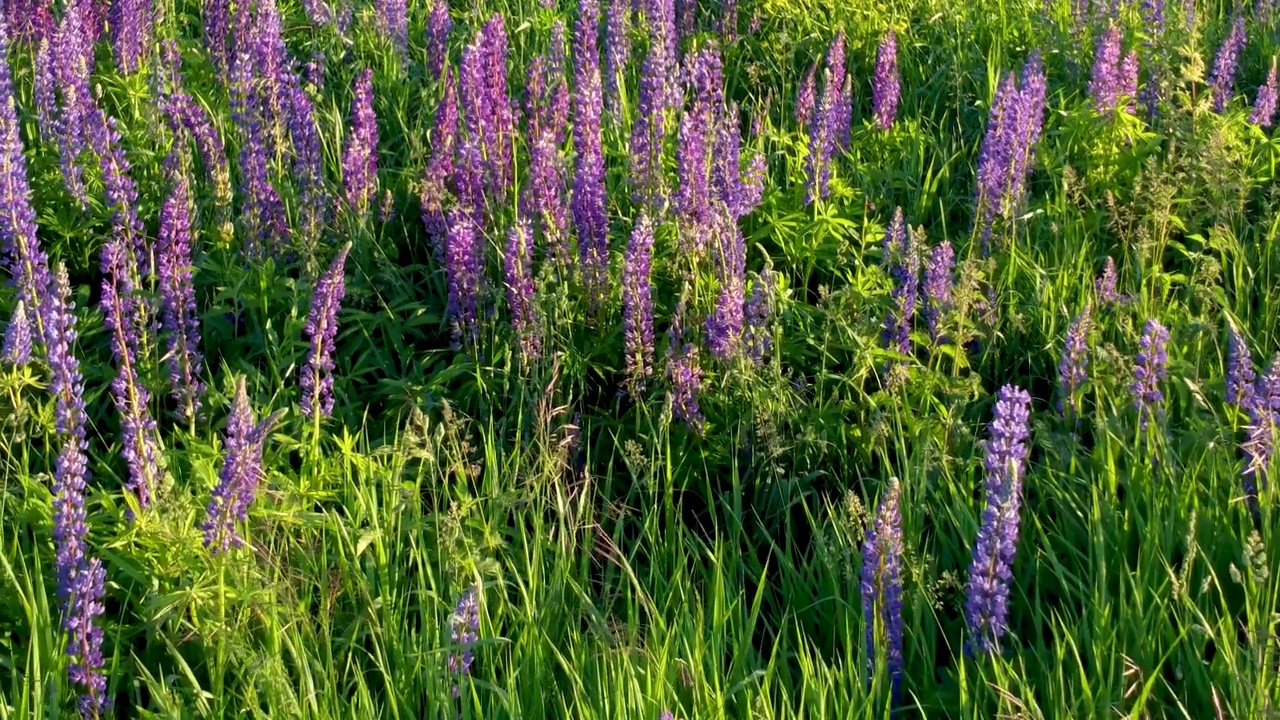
(322, 330)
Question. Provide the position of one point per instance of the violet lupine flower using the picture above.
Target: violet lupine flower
(546, 123)
(658, 94)
(16, 349)
(1104, 85)
(30, 20)
(241, 472)
(500, 124)
(1031, 100)
(1073, 369)
(903, 262)
(262, 208)
(187, 118)
(322, 331)
(122, 197)
(1105, 284)
(178, 299)
(823, 129)
(1259, 444)
(360, 158)
(1153, 14)
(1264, 107)
(20, 250)
(884, 84)
(806, 97)
(757, 336)
(724, 325)
(666, 715)
(882, 587)
(130, 33)
(1005, 159)
(987, 599)
(393, 21)
(698, 129)
(588, 200)
(468, 180)
(318, 11)
(1149, 371)
(464, 262)
(617, 44)
(217, 34)
(684, 374)
(939, 280)
(637, 304)
(438, 26)
(1240, 373)
(308, 161)
(440, 169)
(1223, 78)
(843, 128)
(739, 189)
(66, 384)
(1127, 86)
(63, 94)
(464, 631)
(517, 267)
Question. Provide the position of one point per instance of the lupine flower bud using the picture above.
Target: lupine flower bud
(637, 304)
(464, 632)
(1223, 78)
(1149, 371)
(360, 159)
(884, 84)
(588, 200)
(518, 271)
(1264, 107)
(882, 587)
(1240, 373)
(1073, 370)
(322, 331)
(990, 574)
(241, 472)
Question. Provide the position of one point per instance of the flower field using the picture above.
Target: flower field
(639, 359)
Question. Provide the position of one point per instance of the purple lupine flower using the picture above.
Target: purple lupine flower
(757, 336)
(517, 268)
(617, 49)
(1031, 105)
(1264, 107)
(1104, 85)
(1153, 15)
(314, 70)
(393, 21)
(187, 118)
(501, 115)
(1127, 77)
(66, 384)
(464, 263)
(122, 196)
(440, 169)
(684, 374)
(63, 94)
(262, 208)
(308, 161)
(843, 128)
(996, 156)
(884, 84)
(739, 189)
(588, 200)
(1149, 371)
(464, 632)
(31, 20)
(1105, 284)
(1259, 444)
(724, 325)
(658, 93)
(806, 97)
(637, 304)
(468, 179)
(178, 299)
(824, 128)
(881, 581)
(318, 11)
(1222, 80)
(987, 598)
(84, 641)
(1073, 369)
(360, 158)
(322, 331)
(16, 349)
(438, 26)
(70, 531)
(939, 279)
(544, 191)
(902, 260)
(698, 129)
(666, 715)
(241, 472)
(1240, 373)
(130, 33)
(217, 34)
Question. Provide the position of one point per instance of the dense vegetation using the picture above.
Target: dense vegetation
(707, 360)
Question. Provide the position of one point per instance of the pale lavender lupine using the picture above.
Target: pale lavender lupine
(16, 348)
(938, 282)
(637, 304)
(131, 33)
(360, 158)
(1104, 85)
(991, 572)
(393, 22)
(825, 126)
(438, 26)
(322, 333)
(617, 54)
(588, 199)
(241, 473)
(757, 335)
(902, 260)
(1240, 373)
(1223, 78)
(1264, 106)
(884, 84)
(1128, 79)
(1105, 284)
(1149, 371)
(517, 269)
(464, 266)
(724, 325)
(1073, 369)
(881, 586)
(464, 632)
(694, 157)
(1259, 443)
(806, 97)
(178, 299)
(684, 374)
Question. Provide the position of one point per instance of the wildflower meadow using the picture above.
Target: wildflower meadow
(639, 359)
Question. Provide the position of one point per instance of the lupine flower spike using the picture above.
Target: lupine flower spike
(1223, 78)
(360, 159)
(464, 632)
(1073, 370)
(637, 304)
(1240, 373)
(884, 84)
(241, 472)
(1264, 107)
(178, 299)
(518, 271)
(322, 330)
(990, 574)
(16, 349)
(1264, 420)
(882, 588)
(1149, 371)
